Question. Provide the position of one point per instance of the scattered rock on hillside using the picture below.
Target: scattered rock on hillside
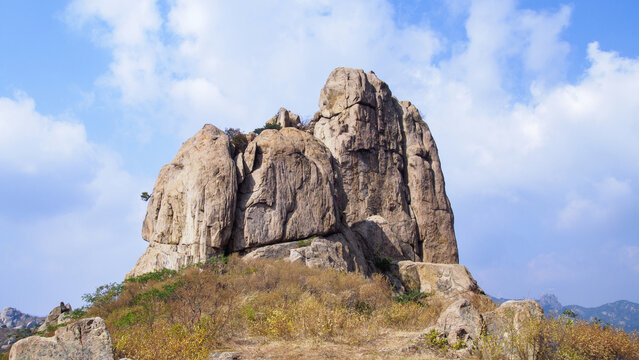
(460, 322)
(437, 279)
(60, 314)
(511, 316)
(86, 339)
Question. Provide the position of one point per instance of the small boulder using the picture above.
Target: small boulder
(224, 356)
(86, 339)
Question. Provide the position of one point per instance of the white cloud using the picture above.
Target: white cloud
(235, 65)
(30, 142)
(76, 221)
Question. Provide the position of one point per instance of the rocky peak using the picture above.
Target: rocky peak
(365, 176)
(15, 319)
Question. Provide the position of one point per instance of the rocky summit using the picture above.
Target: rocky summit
(362, 181)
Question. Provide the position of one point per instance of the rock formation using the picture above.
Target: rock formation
(58, 315)
(86, 339)
(362, 181)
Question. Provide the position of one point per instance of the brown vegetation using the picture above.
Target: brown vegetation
(186, 315)
(274, 309)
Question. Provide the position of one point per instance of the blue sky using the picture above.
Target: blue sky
(532, 103)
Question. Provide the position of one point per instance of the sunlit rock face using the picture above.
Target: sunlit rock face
(389, 169)
(360, 182)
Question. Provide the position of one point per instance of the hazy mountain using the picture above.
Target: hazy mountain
(623, 314)
(15, 319)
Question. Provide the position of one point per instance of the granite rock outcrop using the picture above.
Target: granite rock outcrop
(362, 181)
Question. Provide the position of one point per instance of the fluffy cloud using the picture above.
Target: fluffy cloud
(70, 214)
(31, 143)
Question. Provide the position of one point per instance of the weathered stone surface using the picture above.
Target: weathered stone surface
(428, 199)
(511, 316)
(387, 160)
(58, 315)
(364, 175)
(86, 339)
(460, 322)
(190, 212)
(334, 251)
(288, 191)
(285, 118)
(437, 279)
(280, 251)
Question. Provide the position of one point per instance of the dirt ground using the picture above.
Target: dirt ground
(394, 345)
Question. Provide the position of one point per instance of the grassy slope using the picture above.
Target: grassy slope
(275, 310)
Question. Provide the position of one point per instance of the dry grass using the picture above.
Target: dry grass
(562, 338)
(277, 310)
(187, 314)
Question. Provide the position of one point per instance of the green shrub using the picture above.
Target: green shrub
(103, 294)
(415, 296)
(152, 276)
(268, 125)
(238, 139)
(435, 340)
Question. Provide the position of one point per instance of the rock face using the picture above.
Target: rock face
(288, 191)
(363, 181)
(191, 209)
(388, 166)
(86, 339)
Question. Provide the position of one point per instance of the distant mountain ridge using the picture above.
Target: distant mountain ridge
(622, 314)
(15, 319)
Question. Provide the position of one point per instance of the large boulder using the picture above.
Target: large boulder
(190, 212)
(460, 322)
(287, 193)
(512, 316)
(86, 339)
(447, 280)
(387, 160)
